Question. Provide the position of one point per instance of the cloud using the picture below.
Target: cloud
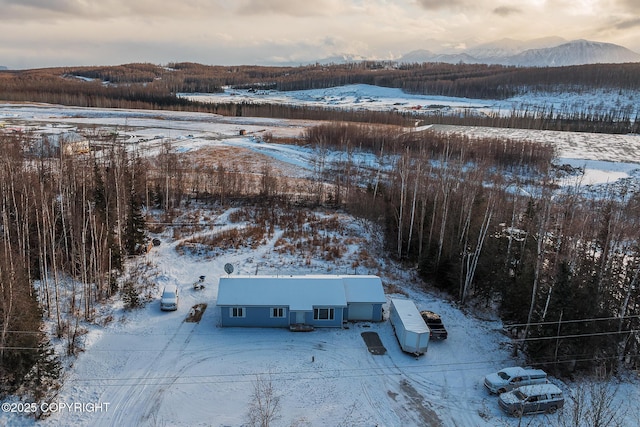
(296, 8)
(506, 11)
(440, 4)
(253, 31)
(632, 6)
(620, 28)
(63, 6)
(626, 24)
(37, 10)
(26, 9)
(143, 9)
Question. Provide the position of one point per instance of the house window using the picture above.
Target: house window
(277, 312)
(236, 312)
(323, 313)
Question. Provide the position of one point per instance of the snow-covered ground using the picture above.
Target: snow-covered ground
(148, 367)
(605, 158)
(153, 368)
(367, 97)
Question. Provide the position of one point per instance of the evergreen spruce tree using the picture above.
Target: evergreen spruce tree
(135, 229)
(99, 193)
(42, 381)
(130, 295)
(22, 353)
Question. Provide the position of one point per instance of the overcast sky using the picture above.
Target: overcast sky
(43, 33)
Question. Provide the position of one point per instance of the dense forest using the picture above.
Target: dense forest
(482, 219)
(64, 221)
(153, 86)
(486, 221)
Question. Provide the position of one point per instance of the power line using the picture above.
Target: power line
(589, 319)
(559, 337)
(554, 337)
(512, 325)
(303, 375)
(207, 334)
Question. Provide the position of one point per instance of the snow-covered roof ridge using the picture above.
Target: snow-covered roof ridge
(300, 291)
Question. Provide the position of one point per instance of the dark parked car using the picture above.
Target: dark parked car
(434, 322)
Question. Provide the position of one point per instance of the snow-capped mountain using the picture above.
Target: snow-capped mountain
(542, 52)
(508, 47)
(551, 51)
(576, 52)
(344, 58)
(423, 55)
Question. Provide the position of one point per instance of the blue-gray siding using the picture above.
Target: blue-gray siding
(376, 313)
(254, 316)
(261, 317)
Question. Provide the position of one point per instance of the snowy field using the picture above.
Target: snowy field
(367, 97)
(605, 158)
(153, 368)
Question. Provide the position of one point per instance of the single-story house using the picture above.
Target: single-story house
(70, 142)
(299, 301)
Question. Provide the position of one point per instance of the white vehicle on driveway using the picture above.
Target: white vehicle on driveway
(509, 378)
(169, 299)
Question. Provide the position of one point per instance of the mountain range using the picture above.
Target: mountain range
(549, 52)
(544, 52)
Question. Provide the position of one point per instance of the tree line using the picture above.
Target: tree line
(612, 120)
(67, 224)
(460, 80)
(156, 87)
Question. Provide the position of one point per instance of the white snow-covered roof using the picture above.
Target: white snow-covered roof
(299, 293)
(411, 317)
(516, 371)
(364, 289)
(69, 137)
(531, 390)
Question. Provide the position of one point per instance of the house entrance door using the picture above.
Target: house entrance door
(300, 317)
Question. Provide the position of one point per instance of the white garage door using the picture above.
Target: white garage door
(360, 311)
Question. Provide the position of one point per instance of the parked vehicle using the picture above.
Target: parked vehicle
(434, 322)
(169, 298)
(510, 378)
(530, 399)
(411, 330)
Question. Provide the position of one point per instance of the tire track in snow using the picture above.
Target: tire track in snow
(129, 396)
(153, 403)
(412, 409)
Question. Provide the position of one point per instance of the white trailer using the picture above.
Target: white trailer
(409, 326)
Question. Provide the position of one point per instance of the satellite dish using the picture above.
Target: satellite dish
(228, 268)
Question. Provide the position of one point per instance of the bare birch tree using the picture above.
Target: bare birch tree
(264, 407)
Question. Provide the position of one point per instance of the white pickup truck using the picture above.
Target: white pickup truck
(510, 378)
